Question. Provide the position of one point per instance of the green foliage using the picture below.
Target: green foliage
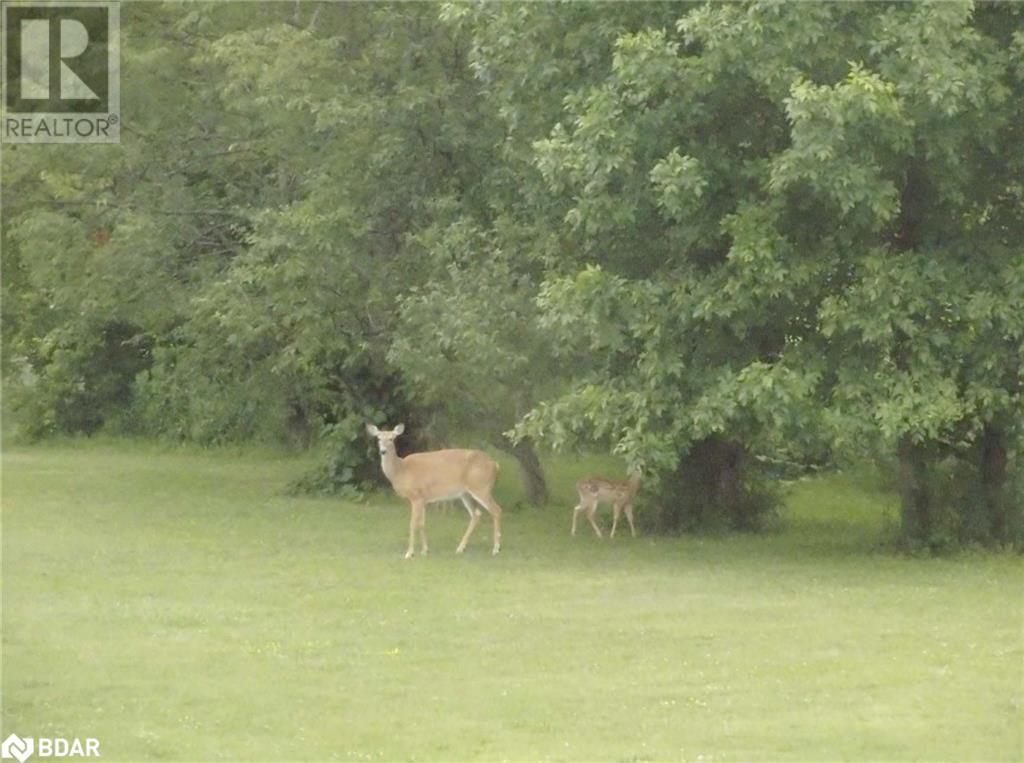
(791, 228)
(467, 341)
(826, 219)
(224, 229)
(84, 382)
(347, 463)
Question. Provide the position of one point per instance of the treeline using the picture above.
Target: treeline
(705, 236)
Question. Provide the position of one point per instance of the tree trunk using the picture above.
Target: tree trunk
(915, 492)
(992, 468)
(710, 489)
(728, 464)
(530, 469)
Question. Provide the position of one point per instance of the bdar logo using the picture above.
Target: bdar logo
(16, 747)
(49, 747)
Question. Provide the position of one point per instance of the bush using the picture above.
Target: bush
(79, 384)
(348, 461)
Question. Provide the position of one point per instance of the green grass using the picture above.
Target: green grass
(181, 606)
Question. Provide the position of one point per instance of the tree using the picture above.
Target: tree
(702, 235)
(767, 234)
(469, 345)
(100, 250)
(924, 329)
(469, 348)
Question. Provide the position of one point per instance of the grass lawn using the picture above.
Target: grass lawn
(181, 606)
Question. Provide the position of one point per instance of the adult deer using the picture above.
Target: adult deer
(439, 475)
(597, 490)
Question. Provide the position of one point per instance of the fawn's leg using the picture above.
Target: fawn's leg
(629, 516)
(616, 513)
(591, 510)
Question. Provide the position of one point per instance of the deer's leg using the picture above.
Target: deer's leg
(591, 510)
(474, 517)
(488, 502)
(423, 528)
(629, 516)
(413, 524)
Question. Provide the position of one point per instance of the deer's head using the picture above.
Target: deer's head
(385, 438)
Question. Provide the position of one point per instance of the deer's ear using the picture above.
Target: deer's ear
(372, 430)
(399, 429)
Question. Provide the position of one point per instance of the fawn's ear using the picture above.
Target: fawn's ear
(372, 430)
(399, 429)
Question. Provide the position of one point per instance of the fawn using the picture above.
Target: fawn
(596, 490)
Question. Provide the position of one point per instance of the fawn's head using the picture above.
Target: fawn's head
(385, 438)
(635, 477)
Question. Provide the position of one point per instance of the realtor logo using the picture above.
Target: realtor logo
(16, 747)
(61, 72)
